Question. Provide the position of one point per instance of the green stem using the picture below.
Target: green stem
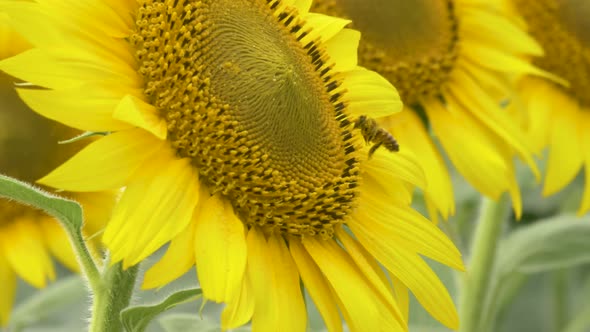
(483, 253)
(89, 267)
(560, 295)
(113, 296)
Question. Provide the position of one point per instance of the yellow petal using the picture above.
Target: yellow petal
(290, 305)
(75, 108)
(468, 96)
(23, 246)
(259, 269)
(395, 190)
(478, 158)
(156, 206)
(323, 26)
(220, 249)
(177, 260)
(585, 122)
(240, 309)
(11, 42)
(393, 226)
(141, 114)
(538, 104)
(105, 164)
(342, 49)
(373, 272)
(58, 242)
(370, 94)
(497, 31)
(566, 155)
(431, 208)
(411, 134)
(32, 66)
(121, 8)
(411, 270)
(361, 304)
(317, 286)
(484, 160)
(302, 5)
(497, 60)
(402, 165)
(402, 296)
(58, 70)
(496, 84)
(279, 303)
(30, 22)
(98, 208)
(8, 282)
(45, 24)
(91, 15)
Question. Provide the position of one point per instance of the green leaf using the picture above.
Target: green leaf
(545, 245)
(550, 244)
(136, 319)
(580, 321)
(67, 211)
(420, 319)
(186, 322)
(47, 302)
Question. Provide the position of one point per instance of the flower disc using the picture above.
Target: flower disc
(411, 43)
(257, 111)
(563, 29)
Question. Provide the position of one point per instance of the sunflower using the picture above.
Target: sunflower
(556, 116)
(238, 129)
(28, 150)
(451, 61)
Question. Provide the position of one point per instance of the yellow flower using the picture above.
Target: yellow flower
(451, 61)
(556, 116)
(28, 150)
(235, 132)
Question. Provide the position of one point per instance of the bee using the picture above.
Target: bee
(375, 134)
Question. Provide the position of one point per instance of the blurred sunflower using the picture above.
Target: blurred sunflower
(450, 61)
(28, 150)
(555, 116)
(236, 133)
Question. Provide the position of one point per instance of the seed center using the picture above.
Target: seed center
(253, 108)
(276, 95)
(412, 43)
(575, 15)
(563, 29)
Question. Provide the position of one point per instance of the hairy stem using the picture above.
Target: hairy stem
(113, 296)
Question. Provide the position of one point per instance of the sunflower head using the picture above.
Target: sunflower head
(453, 62)
(244, 134)
(557, 116)
(412, 44)
(562, 27)
(279, 145)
